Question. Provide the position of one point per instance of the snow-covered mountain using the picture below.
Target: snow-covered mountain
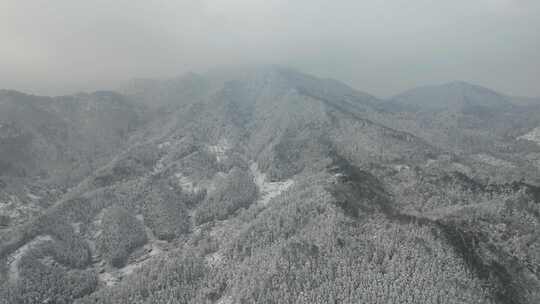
(261, 185)
(457, 95)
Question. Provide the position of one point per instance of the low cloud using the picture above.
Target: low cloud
(383, 47)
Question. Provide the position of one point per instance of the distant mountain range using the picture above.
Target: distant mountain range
(267, 185)
(457, 95)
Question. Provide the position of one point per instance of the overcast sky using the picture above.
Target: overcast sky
(378, 46)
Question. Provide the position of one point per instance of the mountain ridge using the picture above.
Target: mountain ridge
(455, 95)
(271, 186)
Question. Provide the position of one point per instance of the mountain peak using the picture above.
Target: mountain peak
(461, 83)
(251, 80)
(454, 95)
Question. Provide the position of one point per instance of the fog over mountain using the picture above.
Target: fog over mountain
(268, 185)
(253, 151)
(453, 95)
(384, 47)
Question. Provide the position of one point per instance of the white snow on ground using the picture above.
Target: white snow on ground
(17, 210)
(108, 278)
(225, 300)
(493, 161)
(164, 145)
(401, 167)
(268, 190)
(15, 258)
(185, 182)
(33, 196)
(224, 232)
(76, 227)
(214, 259)
(210, 185)
(533, 136)
(459, 167)
(159, 166)
(151, 250)
(220, 150)
(97, 224)
(445, 212)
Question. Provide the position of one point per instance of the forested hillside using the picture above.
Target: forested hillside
(266, 185)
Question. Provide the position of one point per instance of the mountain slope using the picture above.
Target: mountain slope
(485, 126)
(272, 186)
(50, 144)
(456, 95)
